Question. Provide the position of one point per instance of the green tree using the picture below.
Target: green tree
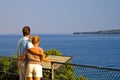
(52, 52)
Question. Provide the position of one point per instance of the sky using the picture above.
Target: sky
(59, 16)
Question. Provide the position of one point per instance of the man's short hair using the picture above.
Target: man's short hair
(26, 30)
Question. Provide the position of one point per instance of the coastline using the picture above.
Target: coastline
(104, 32)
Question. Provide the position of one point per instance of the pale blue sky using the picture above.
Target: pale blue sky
(59, 16)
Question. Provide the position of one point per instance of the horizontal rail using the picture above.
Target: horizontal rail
(88, 66)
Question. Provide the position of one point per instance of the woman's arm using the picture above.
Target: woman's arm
(23, 56)
(43, 57)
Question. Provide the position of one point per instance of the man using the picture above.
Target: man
(22, 45)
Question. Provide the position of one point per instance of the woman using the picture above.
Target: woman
(34, 68)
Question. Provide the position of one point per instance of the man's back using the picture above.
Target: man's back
(22, 46)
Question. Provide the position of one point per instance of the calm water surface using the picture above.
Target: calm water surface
(97, 50)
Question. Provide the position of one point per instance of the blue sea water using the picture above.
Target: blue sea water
(96, 50)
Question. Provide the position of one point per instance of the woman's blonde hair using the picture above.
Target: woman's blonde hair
(35, 39)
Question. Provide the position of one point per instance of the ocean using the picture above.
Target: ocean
(94, 50)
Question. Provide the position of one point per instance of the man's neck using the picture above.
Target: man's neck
(27, 36)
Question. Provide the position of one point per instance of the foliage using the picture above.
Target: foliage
(13, 67)
(9, 64)
(66, 72)
(82, 78)
(5, 63)
(52, 52)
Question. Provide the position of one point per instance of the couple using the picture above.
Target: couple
(30, 56)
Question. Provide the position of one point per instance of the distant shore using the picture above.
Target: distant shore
(116, 31)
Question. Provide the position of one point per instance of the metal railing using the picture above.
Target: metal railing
(85, 72)
(65, 71)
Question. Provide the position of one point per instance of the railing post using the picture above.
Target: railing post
(52, 67)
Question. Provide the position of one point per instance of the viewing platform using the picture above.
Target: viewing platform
(61, 59)
(61, 69)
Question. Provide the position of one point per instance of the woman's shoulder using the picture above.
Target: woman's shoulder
(40, 48)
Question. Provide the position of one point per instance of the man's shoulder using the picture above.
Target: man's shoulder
(23, 40)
